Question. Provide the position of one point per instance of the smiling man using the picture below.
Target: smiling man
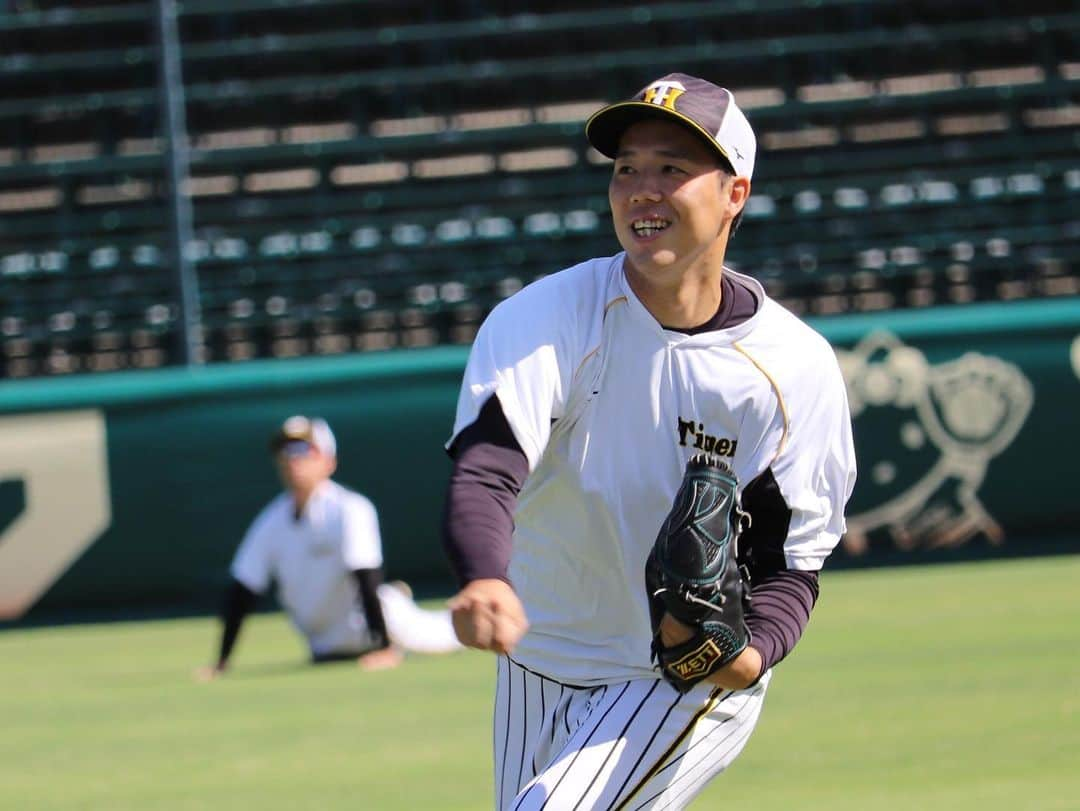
(584, 399)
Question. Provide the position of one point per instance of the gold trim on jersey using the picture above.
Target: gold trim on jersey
(615, 301)
(779, 398)
(596, 348)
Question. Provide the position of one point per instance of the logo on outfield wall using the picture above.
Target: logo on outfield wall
(936, 429)
(57, 462)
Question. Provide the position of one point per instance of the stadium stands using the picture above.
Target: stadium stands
(368, 175)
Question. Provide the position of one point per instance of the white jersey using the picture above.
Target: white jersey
(311, 559)
(608, 406)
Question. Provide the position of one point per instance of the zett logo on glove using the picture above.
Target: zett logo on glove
(698, 663)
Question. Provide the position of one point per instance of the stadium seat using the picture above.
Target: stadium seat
(361, 182)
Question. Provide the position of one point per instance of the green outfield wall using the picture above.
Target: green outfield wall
(133, 489)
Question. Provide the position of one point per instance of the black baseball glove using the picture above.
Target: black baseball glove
(692, 573)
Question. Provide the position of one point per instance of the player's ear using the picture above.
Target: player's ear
(737, 193)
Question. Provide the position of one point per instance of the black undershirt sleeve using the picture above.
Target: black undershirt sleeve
(478, 518)
(369, 581)
(780, 606)
(781, 599)
(238, 603)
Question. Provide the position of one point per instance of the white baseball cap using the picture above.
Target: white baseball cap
(705, 108)
(313, 430)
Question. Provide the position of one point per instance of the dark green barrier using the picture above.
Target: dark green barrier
(965, 427)
(187, 467)
(135, 488)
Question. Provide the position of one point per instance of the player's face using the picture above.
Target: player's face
(301, 469)
(671, 200)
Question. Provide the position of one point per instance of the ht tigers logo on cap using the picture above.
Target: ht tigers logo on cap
(663, 93)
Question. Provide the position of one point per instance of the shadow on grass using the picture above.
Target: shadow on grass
(269, 670)
(263, 670)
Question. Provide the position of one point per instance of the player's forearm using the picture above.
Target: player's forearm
(779, 611)
(239, 600)
(478, 522)
(368, 582)
(780, 606)
(741, 672)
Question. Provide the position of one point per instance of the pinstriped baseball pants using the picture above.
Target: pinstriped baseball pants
(631, 745)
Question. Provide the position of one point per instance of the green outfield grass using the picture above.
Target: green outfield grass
(947, 687)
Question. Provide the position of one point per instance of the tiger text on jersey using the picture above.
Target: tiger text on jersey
(721, 446)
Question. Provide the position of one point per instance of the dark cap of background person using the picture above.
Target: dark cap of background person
(706, 109)
(313, 431)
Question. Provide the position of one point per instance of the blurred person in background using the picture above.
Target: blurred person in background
(320, 543)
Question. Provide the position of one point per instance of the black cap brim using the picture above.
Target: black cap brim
(607, 125)
(281, 438)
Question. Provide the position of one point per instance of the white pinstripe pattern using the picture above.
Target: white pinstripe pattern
(569, 748)
(707, 756)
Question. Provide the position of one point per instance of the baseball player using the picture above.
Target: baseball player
(587, 397)
(320, 543)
